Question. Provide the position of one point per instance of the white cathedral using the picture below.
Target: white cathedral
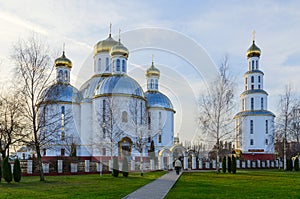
(110, 114)
(254, 124)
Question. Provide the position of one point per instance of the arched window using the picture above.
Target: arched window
(251, 126)
(252, 103)
(99, 64)
(123, 66)
(141, 108)
(62, 117)
(66, 76)
(156, 84)
(258, 79)
(256, 64)
(151, 83)
(118, 65)
(159, 138)
(252, 64)
(262, 103)
(149, 121)
(252, 79)
(251, 142)
(103, 117)
(107, 64)
(267, 127)
(60, 75)
(124, 116)
(267, 141)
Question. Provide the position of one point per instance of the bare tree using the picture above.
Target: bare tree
(216, 106)
(12, 128)
(138, 120)
(284, 120)
(34, 71)
(108, 123)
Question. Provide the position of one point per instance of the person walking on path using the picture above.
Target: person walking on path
(178, 166)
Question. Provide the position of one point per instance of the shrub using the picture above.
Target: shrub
(17, 171)
(229, 164)
(7, 175)
(125, 167)
(296, 164)
(233, 164)
(224, 164)
(115, 172)
(289, 164)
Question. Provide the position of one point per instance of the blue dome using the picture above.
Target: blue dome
(158, 100)
(87, 90)
(62, 93)
(119, 84)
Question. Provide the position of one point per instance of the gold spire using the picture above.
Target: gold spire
(110, 29)
(253, 36)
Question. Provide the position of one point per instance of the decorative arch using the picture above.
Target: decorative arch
(125, 146)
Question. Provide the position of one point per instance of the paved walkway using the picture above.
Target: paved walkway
(156, 189)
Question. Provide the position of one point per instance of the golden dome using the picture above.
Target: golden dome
(63, 61)
(119, 49)
(105, 45)
(152, 71)
(253, 51)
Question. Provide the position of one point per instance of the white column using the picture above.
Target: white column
(277, 163)
(243, 164)
(73, 167)
(152, 165)
(132, 165)
(185, 162)
(200, 164)
(268, 163)
(281, 164)
(12, 168)
(171, 162)
(272, 164)
(29, 166)
(110, 164)
(59, 166)
(263, 164)
(194, 166)
(258, 163)
(87, 166)
(253, 164)
(238, 163)
(161, 163)
(248, 163)
(214, 164)
(45, 167)
(207, 165)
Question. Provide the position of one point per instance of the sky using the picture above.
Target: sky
(188, 39)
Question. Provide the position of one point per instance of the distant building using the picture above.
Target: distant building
(254, 124)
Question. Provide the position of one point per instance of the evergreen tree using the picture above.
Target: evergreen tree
(17, 171)
(125, 167)
(229, 164)
(0, 170)
(233, 164)
(296, 164)
(224, 164)
(115, 172)
(7, 175)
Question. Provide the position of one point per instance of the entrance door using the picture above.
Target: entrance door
(125, 146)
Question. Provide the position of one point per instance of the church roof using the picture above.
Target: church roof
(60, 92)
(158, 100)
(119, 84)
(87, 90)
(254, 113)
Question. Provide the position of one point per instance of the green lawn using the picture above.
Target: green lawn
(77, 186)
(244, 184)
